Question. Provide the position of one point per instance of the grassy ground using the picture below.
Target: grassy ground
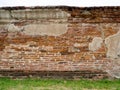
(50, 84)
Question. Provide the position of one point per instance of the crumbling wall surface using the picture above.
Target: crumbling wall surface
(61, 41)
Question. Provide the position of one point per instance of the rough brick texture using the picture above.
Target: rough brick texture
(61, 41)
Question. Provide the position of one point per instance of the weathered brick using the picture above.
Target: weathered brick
(27, 48)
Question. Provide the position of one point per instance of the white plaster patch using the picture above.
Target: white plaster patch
(45, 29)
(95, 44)
(4, 14)
(114, 68)
(12, 28)
(39, 13)
(113, 45)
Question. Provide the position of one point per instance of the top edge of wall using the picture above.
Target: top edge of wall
(58, 7)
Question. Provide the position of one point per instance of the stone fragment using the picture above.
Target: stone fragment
(77, 45)
(73, 49)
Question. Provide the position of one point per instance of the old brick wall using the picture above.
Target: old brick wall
(60, 41)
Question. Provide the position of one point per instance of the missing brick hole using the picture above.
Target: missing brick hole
(43, 50)
(32, 45)
(119, 55)
(11, 67)
(66, 52)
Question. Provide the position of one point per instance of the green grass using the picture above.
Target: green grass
(52, 84)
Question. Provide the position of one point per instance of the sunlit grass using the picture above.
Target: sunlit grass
(58, 84)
